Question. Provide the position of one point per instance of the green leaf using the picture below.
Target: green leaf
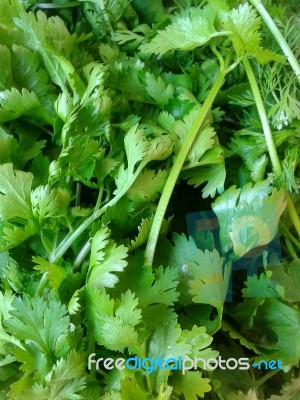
(248, 217)
(209, 284)
(36, 321)
(200, 341)
(47, 203)
(244, 23)
(6, 300)
(6, 75)
(78, 159)
(131, 389)
(213, 174)
(55, 273)
(192, 385)
(113, 321)
(106, 257)
(166, 342)
(14, 104)
(66, 378)
(27, 71)
(156, 290)
(189, 29)
(158, 89)
(15, 189)
(63, 382)
(290, 391)
(236, 334)
(281, 324)
(251, 395)
(15, 206)
(261, 287)
(48, 37)
(136, 148)
(288, 278)
(148, 185)
(159, 288)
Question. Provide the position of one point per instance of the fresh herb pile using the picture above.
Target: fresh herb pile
(117, 118)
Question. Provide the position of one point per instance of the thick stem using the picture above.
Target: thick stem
(269, 138)
(278, 36)
(176, 169)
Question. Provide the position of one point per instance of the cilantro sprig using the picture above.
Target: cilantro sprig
(116, 119)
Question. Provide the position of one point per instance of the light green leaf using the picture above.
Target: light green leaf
(15, 206)
(189, 29)
(158, 89)
(148, 185)
(6, 74)
(288, 278)
(14, 104)
(245, 24)
(166, 342)
(192, 385)
(27, 71)
(213, 174)
(15, 189)
(39, 322)
(55, 273)
(144, 230)
(131, 389)
(113, 321)
(209, 284)
(47, 203)
(106, 258)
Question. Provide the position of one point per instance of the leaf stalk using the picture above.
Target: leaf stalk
(178, 164)
(278, 36)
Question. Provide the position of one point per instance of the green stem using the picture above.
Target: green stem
(289, 235)
(269, 139)
(82, 255)
(290, 248)
(7, 360)
(176, 169)
(293, 214)
(148, 377)
(264, 378)
(263, 118)
(42, 284)
(278, 36)
(55, 6)
(67, 242)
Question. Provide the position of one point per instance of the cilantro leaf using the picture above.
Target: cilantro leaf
(192, 385)
(189, 29)
(244, 23)
(14, 104)
(289, 391)
(114, 322)
(16, 222)
(63, 382)
(106, 257)
(147, 186)
(248, 217)
(288, 278)
(158, 89)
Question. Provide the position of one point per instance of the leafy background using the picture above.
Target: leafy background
(97, 100)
